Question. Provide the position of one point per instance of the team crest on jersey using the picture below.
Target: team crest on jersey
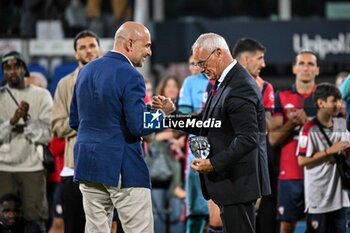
(281, 210)
(289, 105)
(314, 224)
(302, 141)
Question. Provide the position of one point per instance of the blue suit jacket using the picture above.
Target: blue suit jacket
(107, 111)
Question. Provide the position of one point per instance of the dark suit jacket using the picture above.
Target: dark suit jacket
(107, 111)
(238, 148)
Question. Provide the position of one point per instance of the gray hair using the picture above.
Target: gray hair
(211, 41)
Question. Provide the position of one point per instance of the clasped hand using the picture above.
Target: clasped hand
(340, 146)
(21, 112)
(297, 116)
(163, 103)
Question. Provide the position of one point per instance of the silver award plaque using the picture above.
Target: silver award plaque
(199, 146)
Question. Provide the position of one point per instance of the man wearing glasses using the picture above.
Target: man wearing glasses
(235, 173)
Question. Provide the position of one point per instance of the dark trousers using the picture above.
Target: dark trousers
(238, 218)
(52, 188)
(72, 205)
(266, 219)
(334, 221)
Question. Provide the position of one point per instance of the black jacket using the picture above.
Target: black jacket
(22, 226)
(238, 147)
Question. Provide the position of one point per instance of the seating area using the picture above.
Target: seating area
(59, 72)
(38, 68)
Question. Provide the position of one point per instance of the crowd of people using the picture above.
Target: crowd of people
(23, 18)
(270, 164)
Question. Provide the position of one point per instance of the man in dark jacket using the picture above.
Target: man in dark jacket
(235, 173)
(11, 219)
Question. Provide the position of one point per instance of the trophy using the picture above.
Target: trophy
(199, 146)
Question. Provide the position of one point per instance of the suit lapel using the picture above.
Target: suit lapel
(214, 100)
(206, 107)
(211, 103)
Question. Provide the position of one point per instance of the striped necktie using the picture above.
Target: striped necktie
(215, 87)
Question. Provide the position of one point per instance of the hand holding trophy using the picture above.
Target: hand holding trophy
(199, 146)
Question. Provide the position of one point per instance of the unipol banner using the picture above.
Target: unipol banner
(321, 45)
(329, 39)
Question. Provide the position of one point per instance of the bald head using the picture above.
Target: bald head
(133, 40)
(37, 79)
(129, 30)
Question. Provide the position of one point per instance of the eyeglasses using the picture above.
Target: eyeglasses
(202, 64)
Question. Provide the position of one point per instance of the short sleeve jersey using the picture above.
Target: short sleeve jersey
(286, 101)
(323, 189)
(268, 96)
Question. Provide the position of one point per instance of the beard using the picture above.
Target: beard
(15, 81)
(138, 63)
(83, 62)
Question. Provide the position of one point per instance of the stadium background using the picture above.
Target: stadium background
(43, 30)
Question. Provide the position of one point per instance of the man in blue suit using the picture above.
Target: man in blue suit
(107, 111)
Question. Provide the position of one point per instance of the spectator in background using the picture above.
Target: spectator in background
(26, 73)
(192, 98)
(87, 48)
(11, 218)
(292, 109)
(167, 206)
(75, 16)
(34, 10)
(325, 198)
(250, 53)
(149, 90)
(24, 124)
(345, 93)
(36, 79)
(107, 15)
(10, 16)
(31, 10)
(56, 146)
(340, 78)
(56, 223)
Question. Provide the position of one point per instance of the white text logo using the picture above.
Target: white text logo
(322, 46)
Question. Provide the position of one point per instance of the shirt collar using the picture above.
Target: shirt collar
(226, 70)
(114, 51)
